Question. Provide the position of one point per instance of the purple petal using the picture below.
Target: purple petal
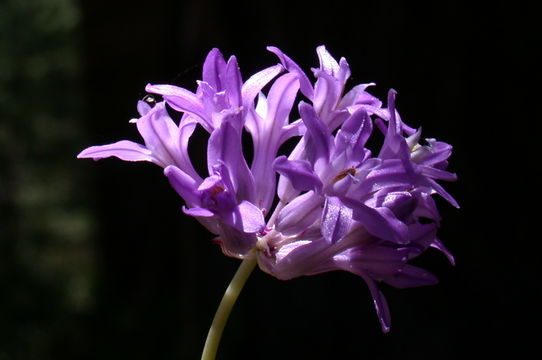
(344, 72)
(291, 66)
(267, 135)
(235, 242)
(320, 138)
(161, 135)
(438, 174)
(181, 100)
(143, 108)
(336, 219)
(185, 186)
(225, 146)
(327, 92)
(440, 190)
(124, 150)
(437, 244)
(300, 213)
(213, 66)
(386, 174)
(299, 172)
(186, 129)
(439, 152)
(256, 83)
(296, 128)
(358, 95)
(198, 212)
(281, 99)
(231, 81)
(380, 222)
(303, 257)
(327, 62)
(381, 305)
(395, 126)
(353, 135)
(252, 217)
(411, 276)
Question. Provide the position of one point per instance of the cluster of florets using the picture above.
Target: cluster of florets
(331, 204)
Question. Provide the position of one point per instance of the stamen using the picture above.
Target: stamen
(344, 174)
(215, 190)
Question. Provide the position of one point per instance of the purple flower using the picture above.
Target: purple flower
(339, 205)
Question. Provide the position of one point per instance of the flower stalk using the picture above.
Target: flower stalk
(226, 305)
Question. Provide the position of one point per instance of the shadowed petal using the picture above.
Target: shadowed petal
(299, 172)
(380, 303)
(302, 212)
(411, 276)
(336, 219)
(185, 186)
(225, 146)
(319, 150)
(381, 222)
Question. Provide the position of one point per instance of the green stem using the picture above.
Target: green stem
(224, 309)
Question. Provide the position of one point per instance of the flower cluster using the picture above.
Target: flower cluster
(331, 204)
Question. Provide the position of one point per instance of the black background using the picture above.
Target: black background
(459, 71)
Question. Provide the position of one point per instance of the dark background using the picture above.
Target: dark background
(98, 262)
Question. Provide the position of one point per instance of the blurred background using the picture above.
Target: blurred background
(98, 262)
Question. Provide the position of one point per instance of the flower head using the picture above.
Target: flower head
(339, 205)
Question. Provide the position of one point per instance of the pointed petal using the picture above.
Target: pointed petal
(256, 83)
(181, 100)
(268, 135)
(124, 150)
(440, 190)
(411, 276)
(438, 174)
(327, 93)
(358, 95)
(327, 62)
(296, 128)
(280, 100)
(143, 108)
(161, 135)
(320, 137)
(380, 222)
(381, 305)
(225, 146)
(291, 66)
(213, 66)
(353, 135)
(198, 212)
(437, 244)
(299, 172)
(231, 81)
